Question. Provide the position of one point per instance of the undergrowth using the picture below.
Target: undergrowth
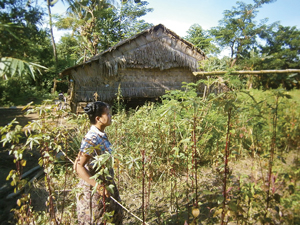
(231, 158)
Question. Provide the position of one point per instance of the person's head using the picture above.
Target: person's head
(98, 113)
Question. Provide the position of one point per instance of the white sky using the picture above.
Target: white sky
(179, 15)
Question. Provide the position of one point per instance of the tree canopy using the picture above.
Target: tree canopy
(201, 39)
(238, 30)
(29, 47)
(24, 40)
(99, 25)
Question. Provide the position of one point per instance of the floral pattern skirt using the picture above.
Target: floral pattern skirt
(90, 207)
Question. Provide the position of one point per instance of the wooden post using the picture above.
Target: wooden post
(54, 85)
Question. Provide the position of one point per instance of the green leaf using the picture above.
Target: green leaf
(23, 162)
(10, 67)
(233, 206)
(110, 188)
(207, 192)
(220, 199)
(218, 212)
(185, 140)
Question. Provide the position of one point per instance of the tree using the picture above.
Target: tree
(49, 4)
(283, 45)
(99, 25)
(238, 30)
(201, 39)
(84, 19)
(19, 25)
(69, 51)
(22, 51)
(129, 15)
(281, 51)
(21, 20)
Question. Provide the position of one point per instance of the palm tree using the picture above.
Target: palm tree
(49, 4)
(85, 21)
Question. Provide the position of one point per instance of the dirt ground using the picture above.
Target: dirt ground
(8, 114)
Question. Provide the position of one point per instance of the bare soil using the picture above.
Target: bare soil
(8, 114)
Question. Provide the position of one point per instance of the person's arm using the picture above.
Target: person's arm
(81, 171)
(84, 174)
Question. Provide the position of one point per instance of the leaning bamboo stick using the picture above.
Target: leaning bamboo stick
(29, 182)
(246, 72)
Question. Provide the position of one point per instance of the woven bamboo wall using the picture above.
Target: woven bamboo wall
(134, 83)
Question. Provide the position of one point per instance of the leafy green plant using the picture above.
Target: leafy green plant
(173, 160)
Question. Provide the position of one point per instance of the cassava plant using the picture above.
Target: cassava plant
(12, 134)
(42, 135)
(230, 165)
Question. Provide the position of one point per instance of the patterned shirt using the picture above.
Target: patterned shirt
(95, 142)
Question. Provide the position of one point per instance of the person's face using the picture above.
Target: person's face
(105, 118)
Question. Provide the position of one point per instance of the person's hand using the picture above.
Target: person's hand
(101, 189)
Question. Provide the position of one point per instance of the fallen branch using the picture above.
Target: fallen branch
(7, 187)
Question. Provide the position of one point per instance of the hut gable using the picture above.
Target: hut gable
(144, 65)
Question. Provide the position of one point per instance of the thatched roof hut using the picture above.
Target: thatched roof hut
(143, 66)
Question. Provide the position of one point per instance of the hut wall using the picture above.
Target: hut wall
(149, 83)
(134, 83)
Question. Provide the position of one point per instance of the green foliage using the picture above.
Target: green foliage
(17, 91)
(282, 47)
(19, 24)
(260, 46)
(201, 39)
(25, 51)
(238, 30)
(282, 51)
(10, 67)
(178, 138)
(98, 26)
(129, 14)
(68, 51)
(215, 64)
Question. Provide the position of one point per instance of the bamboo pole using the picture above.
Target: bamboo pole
(246, 72)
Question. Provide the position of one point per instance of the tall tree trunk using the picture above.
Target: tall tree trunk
(51, 32)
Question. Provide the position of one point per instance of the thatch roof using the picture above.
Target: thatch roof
(157, 47)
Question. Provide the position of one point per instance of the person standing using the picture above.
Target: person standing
(91, 206)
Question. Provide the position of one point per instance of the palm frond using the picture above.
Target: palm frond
(8, 26)
(11, 67)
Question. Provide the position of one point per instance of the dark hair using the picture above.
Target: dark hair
(94, 109)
